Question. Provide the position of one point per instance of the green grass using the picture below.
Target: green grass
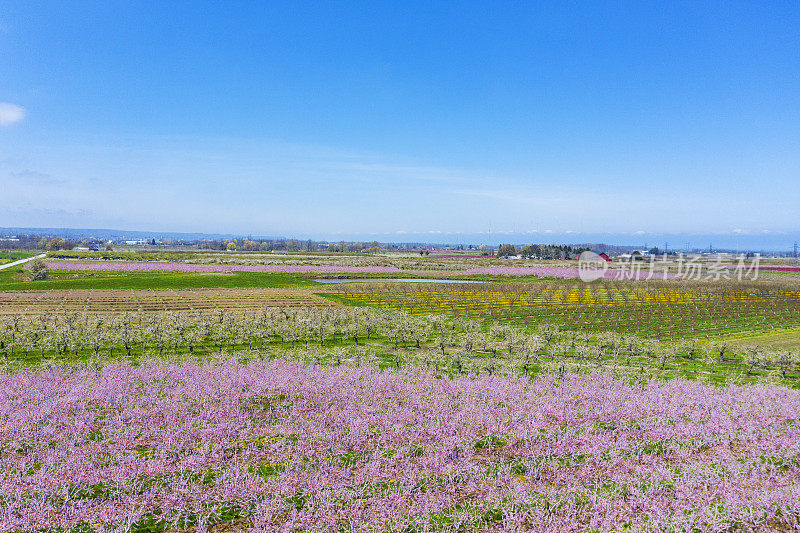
(62, 279)
(443, 275)
(502, 279)
(355, 275)
(10, 257)
(786, 339)
(151, 280)
(388, 355)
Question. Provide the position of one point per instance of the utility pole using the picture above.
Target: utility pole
(795, 249)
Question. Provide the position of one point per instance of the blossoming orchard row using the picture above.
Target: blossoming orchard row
(127, 266)
(121, 300)
(384, 337)
(278, 446)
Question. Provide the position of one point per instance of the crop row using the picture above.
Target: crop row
(654, 314)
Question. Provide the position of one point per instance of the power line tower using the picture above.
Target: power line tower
(795, 249)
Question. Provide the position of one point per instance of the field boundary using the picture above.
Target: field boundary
(21, 261)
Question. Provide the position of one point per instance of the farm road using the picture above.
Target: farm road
(21, 261)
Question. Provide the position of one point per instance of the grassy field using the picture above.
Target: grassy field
(11, 256)
(9, 280)
(787, 340)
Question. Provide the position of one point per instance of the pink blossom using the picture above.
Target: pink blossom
(146, 266)
(294, 447)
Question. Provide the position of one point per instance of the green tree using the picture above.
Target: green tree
(506, 250)
(55, 244)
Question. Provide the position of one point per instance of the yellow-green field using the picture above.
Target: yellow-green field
(787, 340)
(664, 311)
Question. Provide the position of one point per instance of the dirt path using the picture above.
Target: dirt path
(21, 261)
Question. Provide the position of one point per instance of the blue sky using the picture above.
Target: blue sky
(404, 119)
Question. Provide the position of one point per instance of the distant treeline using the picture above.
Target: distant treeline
(295, 245)
(35, 242)
(540, 251)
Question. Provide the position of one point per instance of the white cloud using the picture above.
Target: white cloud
(10, 113)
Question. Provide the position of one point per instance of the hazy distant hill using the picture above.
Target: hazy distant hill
(113, 234)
